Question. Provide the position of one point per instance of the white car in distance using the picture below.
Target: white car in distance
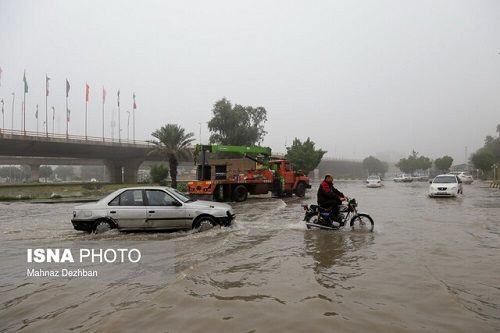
(465, 177)
(373, 181)
(447, 185)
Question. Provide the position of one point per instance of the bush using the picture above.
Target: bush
(159, 174)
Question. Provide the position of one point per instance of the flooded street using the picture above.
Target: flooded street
(431, 265)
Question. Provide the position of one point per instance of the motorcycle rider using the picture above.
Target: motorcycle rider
(329, 197)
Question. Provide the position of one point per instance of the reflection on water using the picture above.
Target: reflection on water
(338, 256)
(429, 266)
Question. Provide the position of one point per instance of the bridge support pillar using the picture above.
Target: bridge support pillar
(123, 171)
(35, 172)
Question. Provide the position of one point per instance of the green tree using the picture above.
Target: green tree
(237, 125)
(423, 163)
(493, 146)
(92, 172)
(443, 163)
(488, 139)
(498, 130)
(64, 172)
(483, 160)
(158, 173)
(10, 172)
(303, 155)
(45, 171)
(373, 165)
(413, 163)
(173, 143)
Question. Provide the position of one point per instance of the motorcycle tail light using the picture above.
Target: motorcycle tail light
(305, 207)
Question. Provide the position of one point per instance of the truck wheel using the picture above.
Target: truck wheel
(240, 193)
(300, 190)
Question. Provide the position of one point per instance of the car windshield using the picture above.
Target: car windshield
(445, 179)
(179, 195)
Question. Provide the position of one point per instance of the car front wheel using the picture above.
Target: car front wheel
(204, 223)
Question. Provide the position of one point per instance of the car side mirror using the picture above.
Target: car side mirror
(176, 203)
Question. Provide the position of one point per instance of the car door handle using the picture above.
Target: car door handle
(113, 212)
(151, 211)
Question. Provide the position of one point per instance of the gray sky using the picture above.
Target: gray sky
(358, 77)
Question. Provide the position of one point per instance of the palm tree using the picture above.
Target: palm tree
(173, 143)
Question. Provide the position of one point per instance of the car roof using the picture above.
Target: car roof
(146, 188)
(121, 190)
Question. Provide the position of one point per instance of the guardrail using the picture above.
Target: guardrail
(5, 133)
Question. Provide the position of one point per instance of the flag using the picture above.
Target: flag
(68, 112)
(135, 105)
(25, 83)
(67, 88)
(118, 99)
(87, 91)
(36, 113)
(47, 85)
(103, 95)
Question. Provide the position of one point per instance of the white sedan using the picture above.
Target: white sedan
(150, 208)
(445, 186)
(465, 177)
(373, 181)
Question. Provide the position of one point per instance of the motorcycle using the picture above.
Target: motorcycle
(320, 218)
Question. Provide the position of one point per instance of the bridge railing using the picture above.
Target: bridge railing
(91, 139)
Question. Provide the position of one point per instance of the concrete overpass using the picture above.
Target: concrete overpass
(121, 158)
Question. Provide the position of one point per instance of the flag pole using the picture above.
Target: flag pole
(24, 102)
(24, 114)
(22, 117)
(3, 117)
(46, 112)
(86, 102)
(12, 120)
(36, 120)
(119, 121)
(103, 100)
(67, 110)
(133, 119)
(67, 121)
(128, 127)
(53, 119)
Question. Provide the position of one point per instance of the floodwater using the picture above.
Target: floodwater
(431, 265)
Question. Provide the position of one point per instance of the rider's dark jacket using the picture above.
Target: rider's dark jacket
(328, 195)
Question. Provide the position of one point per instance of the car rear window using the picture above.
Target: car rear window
(128, 198)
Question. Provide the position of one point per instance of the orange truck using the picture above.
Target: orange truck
(217, 183)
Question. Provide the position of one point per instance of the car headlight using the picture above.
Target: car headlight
(453, 188)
